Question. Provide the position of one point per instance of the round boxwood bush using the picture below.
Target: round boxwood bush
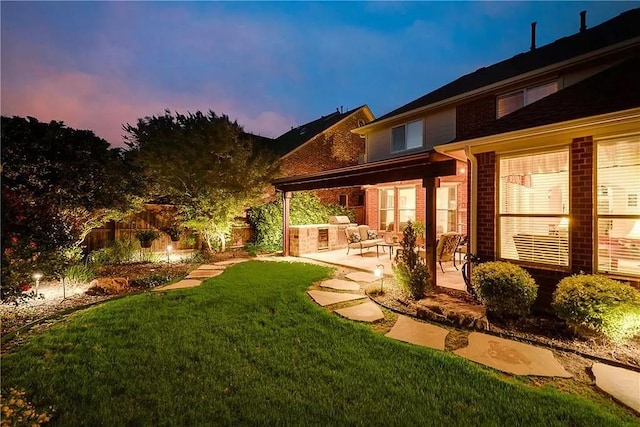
(506, 289)
(592, 303)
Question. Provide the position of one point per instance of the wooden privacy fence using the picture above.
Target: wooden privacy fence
(155, 217)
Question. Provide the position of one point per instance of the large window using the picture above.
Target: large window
(407, 136)
(618, 206)
(515, 100)
(404, 210)
(533, 213)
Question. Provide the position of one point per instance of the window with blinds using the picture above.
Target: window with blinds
(513, 101)
(618, 206)
(533, 213)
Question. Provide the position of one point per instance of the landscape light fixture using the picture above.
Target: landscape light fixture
(169, 249)
(379, 272)
(37, 277)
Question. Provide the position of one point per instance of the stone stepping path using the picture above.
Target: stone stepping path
(340, 285)
(211, 267)
(182, 284)
(502, 354)
(205, 271)
(232, 261)
(412, 331)
(622, 384)
(365, 312)
(511, 356)
(325, 298)
(204, 274)
(361, 276)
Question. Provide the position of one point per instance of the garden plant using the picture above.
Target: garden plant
(410, 268)
(506, 289)
(595, 304)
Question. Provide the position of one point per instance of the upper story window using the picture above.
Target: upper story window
(407, 136)
(515, 100)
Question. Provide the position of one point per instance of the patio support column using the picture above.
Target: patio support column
(430, 184)
(286, 204)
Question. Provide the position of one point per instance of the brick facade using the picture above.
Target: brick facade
(335, 148)
(486, 205)
(473, 114)
(581, 205)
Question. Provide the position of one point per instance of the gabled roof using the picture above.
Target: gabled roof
(623, 27)
(298, 136)
(615, 89)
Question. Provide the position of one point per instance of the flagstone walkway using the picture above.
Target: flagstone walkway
(197, 276)
(505, 355)
(509, 356)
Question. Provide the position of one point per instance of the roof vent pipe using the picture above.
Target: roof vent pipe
(583, 21)
(533, 36)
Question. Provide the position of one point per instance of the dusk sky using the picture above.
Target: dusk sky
(270, 65)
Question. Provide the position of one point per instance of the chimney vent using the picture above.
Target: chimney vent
(533, 36)
(583, 21)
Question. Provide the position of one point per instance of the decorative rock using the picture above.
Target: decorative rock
(108, 285)
(445, 308)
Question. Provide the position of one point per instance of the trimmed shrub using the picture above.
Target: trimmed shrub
(592, 303)
(506, 289)
(410, 269)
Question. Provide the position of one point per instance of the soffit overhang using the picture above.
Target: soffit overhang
(420, 166)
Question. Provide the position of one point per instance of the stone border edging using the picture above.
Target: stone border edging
(521, 339)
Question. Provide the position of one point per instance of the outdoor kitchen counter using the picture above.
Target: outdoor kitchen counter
(310, 238)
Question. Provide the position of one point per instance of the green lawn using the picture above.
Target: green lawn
(249, 348)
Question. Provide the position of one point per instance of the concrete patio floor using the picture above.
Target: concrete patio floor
(368, 262)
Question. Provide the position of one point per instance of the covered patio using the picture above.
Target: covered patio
(427, 167)
(369, 261)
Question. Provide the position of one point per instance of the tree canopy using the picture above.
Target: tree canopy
(203, 163)
(57, 184)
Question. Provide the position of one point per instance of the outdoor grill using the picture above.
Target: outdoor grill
(342, 221)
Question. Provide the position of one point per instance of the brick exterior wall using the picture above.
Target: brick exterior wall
(581, 205)
(335, 148)
(486, 205)
(473, 114)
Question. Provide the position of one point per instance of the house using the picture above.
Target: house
(536, 158)
(324, 144)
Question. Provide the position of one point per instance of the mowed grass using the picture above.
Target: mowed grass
(249, 348)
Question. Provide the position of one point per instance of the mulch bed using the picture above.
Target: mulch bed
(538, 328)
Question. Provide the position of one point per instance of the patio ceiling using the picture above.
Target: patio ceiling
(418, 166)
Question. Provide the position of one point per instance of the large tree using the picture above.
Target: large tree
(205, 164)
(57, 184)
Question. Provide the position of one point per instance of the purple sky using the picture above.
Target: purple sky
(270, 65)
